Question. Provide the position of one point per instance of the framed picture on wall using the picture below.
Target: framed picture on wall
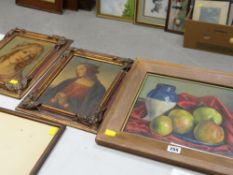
(175, 114)
(25, 142)
(151, 12)
(55, 6)
(76, 92)
(211, 11)
(25, 57)
(177, 11)
(122, 9)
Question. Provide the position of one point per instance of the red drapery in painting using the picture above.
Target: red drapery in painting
(137, 125)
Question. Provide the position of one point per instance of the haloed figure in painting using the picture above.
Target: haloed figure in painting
(13, 63)
(80, 95)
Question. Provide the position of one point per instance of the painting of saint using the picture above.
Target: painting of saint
(14, 62)
(83, 91)
(191, 114)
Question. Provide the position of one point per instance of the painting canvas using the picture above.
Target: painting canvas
(25, 143)
(121, 9)
(24, 57)
(152, 12)
(175, 114)
(20, 56)
(80, 86)
(184, 112)
(177, 11)
(77, 91)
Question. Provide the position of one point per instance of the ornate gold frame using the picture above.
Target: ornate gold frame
(19, 89)
(88, 123)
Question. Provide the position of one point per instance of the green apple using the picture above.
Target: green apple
(182, 121)
(161, 125)
(207, 113)
(208, 131)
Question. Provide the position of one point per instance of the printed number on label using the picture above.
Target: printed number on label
(174, 149)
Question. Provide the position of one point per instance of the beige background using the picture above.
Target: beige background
(185, 86)
(107, 72)
(22, 143)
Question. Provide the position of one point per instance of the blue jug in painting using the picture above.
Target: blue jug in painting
(160, 100)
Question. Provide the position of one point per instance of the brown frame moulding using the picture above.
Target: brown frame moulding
(19, 89)
(112, 131)
(71, 4)
(56, 7)
(88, 123)
(52, 143)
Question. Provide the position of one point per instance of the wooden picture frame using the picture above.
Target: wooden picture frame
(26, 56)
(26, 142)
(68, 96)
(86, 4)
(211, 11)
(71, 4)
(124, 11)
(177, 12)
(54, 6)
(159, 137)
(151, 13)
(230, 14)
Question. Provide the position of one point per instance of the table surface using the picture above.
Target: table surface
(77, 153)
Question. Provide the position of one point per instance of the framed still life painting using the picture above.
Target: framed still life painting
(121, 9)
(55, 6)
(25, 57)
(151, 12)
(25, 143)
(175, 114)
(177, 11)
(77, 90)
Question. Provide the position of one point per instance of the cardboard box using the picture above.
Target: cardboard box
(207, 36)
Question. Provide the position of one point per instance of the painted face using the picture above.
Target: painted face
(24, 54)
(81, 70)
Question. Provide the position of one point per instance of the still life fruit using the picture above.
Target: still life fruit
(162, 125)
(182, 121)
(201, 122)
(204, 125)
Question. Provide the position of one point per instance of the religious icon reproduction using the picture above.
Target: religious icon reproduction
(78, 89)
(24, 58)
